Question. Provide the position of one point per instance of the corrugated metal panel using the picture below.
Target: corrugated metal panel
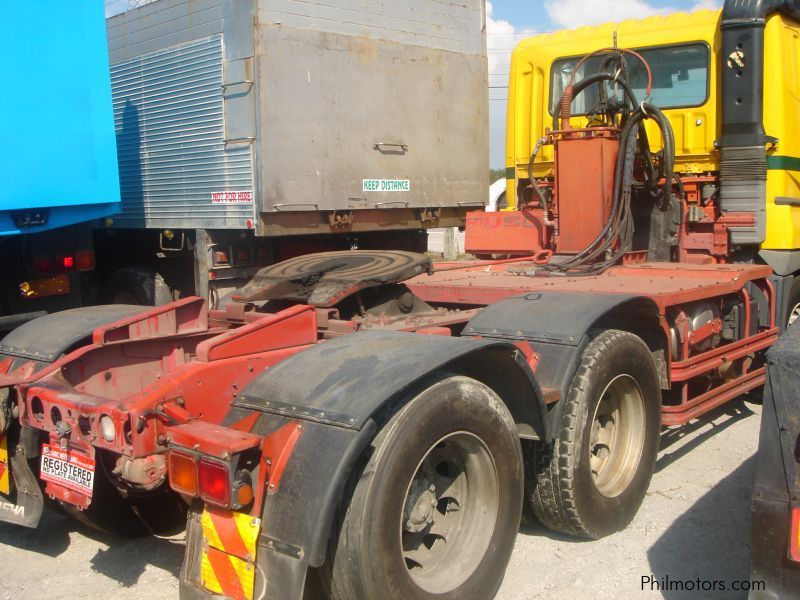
(160, 25)
(168, 110)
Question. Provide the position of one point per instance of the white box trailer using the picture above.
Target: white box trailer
(290, 117)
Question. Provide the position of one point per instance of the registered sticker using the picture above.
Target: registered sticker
(245, 197)
(387, 185)
(71, 470)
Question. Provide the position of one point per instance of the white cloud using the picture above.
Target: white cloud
(501, 38)
(576, 13)
(709, 4)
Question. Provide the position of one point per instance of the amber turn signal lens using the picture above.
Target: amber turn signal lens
(183, 473)
(244, 494)
(84, 260)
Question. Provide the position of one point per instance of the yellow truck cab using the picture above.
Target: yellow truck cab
(704, 87)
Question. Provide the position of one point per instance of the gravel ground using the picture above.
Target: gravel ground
(694, 523)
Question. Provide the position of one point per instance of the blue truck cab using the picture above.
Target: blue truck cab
(59, 175)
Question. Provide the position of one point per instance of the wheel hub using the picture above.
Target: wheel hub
(616, 440)
(449, 513)
(420, 505)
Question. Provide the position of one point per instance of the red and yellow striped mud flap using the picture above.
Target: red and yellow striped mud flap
(228, 563)
(5, 467)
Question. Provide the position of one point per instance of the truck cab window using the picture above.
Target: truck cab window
(680, 78)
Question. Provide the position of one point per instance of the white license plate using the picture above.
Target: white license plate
(72, 470)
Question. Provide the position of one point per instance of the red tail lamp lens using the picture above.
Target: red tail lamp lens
(215, 482)
(42, 264)
(794, 536)
(183, 473)
(242, 255)
(68, 262)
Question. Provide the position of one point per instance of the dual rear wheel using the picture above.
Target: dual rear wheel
(591, 481)
(434, 511)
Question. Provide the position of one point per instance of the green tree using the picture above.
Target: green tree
(495, 174)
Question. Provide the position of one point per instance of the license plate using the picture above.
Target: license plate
(71, 470)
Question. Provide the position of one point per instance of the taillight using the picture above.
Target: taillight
(67, 263)
(243, 256)
(84, 260)
(794, 536)
(209, 479)
(183, 473)
(215, 482)
(221, 258)
(42, 265)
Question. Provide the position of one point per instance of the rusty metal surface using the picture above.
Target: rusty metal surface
(324, 279)
(665, 283)
(584, 202)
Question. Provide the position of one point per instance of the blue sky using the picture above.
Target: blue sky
(532, 14)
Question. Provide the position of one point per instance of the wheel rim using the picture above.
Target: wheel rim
(449, 513)
(617, 436)
(795, 314)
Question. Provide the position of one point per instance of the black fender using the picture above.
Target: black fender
(558, 324)
(45, 339)
(342, 391)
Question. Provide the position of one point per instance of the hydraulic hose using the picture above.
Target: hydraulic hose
(628, 131)
(572, 92)
(535, 153)
(667, 163)
(616, 238)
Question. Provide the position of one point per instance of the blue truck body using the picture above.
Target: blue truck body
(58, 155)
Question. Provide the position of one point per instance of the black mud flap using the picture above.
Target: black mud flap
(776, 487)
(24, 505)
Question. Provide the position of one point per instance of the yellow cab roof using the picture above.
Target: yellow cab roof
(639, 33)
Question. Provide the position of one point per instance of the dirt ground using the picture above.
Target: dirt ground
(693, 523)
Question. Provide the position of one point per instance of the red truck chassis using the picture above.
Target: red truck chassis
(165, 376)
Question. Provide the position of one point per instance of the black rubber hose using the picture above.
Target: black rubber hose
(585, 83)
(681, 212)
(538, 191)
(667, 167)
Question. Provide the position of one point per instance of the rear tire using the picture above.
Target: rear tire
(591, 481)
(436, 509)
